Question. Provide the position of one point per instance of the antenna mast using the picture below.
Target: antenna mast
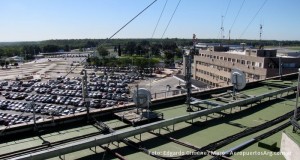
(222, 30)
(260, 32)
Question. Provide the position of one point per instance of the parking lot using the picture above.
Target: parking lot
(55, 94)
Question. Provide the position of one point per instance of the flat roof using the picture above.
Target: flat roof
(203, 130)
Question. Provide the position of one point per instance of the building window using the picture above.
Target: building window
(289, 65)
(248, 62)
(225, 58)
(217, 57)
(238, 61)
(229, 59)
(242, 61)
(256, 76)
(233, 60)
(253, 64)
(221, 58)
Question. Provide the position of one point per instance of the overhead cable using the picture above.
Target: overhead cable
(237, 15)
(71, 70)
(159, 18)
(171, 19)
(253, 18)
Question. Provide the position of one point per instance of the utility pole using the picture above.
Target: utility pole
(188, 72)
(260, 32)
(32, 105)
(137, 99)
(280, 67)
(222, 30)
(188, 81)
(84, 95)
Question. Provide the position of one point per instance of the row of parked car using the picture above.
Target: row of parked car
(15, 96)
(45, 109)
(123, 69)
(11, 119)
(53, 99)
(68, 55)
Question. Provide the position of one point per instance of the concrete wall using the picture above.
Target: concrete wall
(290, 147)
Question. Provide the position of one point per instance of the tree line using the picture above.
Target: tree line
(130, 47)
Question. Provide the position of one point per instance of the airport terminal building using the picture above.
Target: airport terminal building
(213, 66)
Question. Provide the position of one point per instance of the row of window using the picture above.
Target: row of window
(208, 82)
(233, 60)
(215, 66)
(217, 77)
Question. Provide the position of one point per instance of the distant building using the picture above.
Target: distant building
(16, 59)
(213, 66)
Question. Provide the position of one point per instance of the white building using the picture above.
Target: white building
(16, 59)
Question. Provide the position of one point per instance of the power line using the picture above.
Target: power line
(237, 15)
(132, 19)
(159, 18)
(223, 18)
(253, 18)
(171, 19)
(72, 69)
(227, 8)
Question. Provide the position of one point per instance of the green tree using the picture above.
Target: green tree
(119, 50)
(6, 64)
(1, 52)
(103, 53)
(169, 58)
(67, 48)
(2, 63)
(130, 47)
(51, 48)
(155, 48)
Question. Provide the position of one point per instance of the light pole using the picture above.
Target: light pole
(280, 67)
(297, 97)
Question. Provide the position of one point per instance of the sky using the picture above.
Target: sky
(35, 20)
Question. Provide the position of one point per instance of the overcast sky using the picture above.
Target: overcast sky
(34, 20)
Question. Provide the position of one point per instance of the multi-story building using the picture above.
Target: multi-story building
(213, 66)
